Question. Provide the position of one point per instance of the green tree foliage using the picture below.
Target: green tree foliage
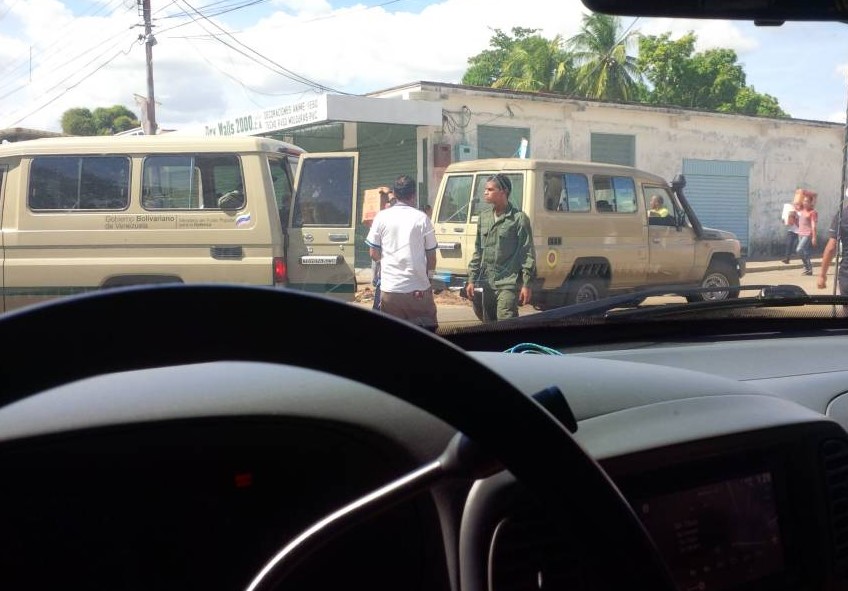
(599, 50)
(750, 102)
(78, 122)
(102, 121)
(712, 80)
(595, 64)
(487, 67)
(536, 64)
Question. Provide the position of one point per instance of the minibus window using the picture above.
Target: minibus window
(614, 194)
(79, 183)
(202, 181)
(566, 192)
(455, 201)
(516, 196)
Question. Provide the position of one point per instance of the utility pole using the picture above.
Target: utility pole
(150, 126)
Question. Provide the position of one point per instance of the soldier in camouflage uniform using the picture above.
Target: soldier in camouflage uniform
(504, 262)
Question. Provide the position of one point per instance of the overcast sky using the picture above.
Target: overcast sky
(219, 58)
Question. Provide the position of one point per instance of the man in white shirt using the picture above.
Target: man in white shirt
(403, 240)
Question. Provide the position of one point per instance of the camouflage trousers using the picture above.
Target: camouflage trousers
(491, 305)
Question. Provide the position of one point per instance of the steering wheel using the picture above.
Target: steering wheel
(134, 328)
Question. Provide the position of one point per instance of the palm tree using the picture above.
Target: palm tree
(536, 64)
(600, 52)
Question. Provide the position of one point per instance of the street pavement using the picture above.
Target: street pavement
(455, 311)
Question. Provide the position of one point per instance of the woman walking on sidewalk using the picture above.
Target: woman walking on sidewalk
(807, 221)
(791, 221)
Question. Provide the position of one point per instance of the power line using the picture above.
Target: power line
(239, 82)
(282, 70)
(226, 9)
(357, 9)
(63, 66)
(68, 89)
(9, 9)
(45, 55)
(59, 42)
(336, 14)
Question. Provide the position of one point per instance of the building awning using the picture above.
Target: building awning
(324, 108)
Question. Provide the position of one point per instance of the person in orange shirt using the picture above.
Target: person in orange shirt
(807, 227)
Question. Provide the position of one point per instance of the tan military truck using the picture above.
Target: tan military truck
(87, 213)
(594, 230)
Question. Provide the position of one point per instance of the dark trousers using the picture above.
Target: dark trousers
(791, 245)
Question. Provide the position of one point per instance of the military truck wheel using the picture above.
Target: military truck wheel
(719, 274)
(581, 290)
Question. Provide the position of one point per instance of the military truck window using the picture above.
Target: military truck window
(79, 183)
(455, 200)
(192, 181)
(516, 197)
(323, 195)
(659, 206)
(614, 194)
(566, 192)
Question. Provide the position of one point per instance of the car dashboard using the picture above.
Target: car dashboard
(733, 455)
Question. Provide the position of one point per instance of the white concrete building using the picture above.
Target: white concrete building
(739, 169)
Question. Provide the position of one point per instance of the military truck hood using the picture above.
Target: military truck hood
(713, 234)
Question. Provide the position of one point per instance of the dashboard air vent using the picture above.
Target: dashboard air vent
(835, 458)
(527, 554)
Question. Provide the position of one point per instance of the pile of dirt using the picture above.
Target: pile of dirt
(450, 298)
(364, 295)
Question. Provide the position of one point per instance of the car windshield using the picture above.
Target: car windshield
(423, 295)
(530, 159)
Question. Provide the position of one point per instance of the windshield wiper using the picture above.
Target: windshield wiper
(627, 305)
(779, 296)
(632, 299)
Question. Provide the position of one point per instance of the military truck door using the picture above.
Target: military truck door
(321, 241)
(453, 231)
(671, 244)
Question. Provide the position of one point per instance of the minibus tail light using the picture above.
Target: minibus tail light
(281, 273)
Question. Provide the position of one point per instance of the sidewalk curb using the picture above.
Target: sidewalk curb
(763, 266)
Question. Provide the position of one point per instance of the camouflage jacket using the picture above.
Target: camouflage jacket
(504, 255)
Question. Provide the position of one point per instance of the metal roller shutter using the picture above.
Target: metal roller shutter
(385, 152)
(718, 191)
(319, 138)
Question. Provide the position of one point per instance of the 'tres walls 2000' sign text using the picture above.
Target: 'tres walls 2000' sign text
(292, 115)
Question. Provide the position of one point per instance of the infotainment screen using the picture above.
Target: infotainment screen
(719, 535)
